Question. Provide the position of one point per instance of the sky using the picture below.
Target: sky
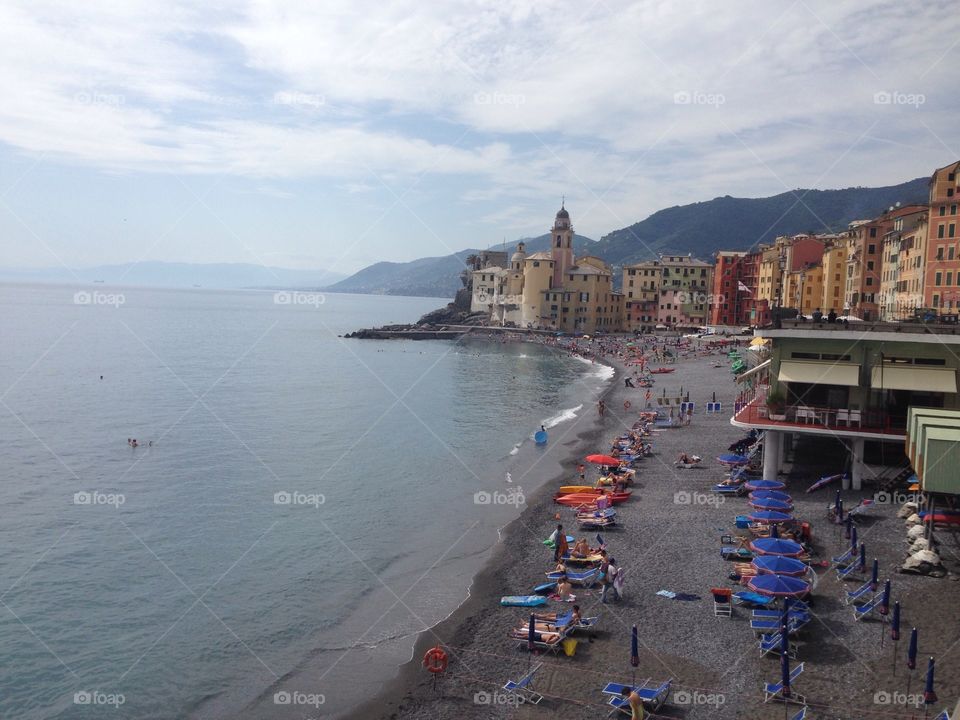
(337, 134)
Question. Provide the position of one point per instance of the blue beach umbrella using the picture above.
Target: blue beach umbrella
(777, 546)
(885, 601)
(863, 557)
(853, 538)
(771, 504)
(764, 485)
(778, 585)
(775, 531)
(875, 575)
(929, 696)
(895, 623)
(848, 530)
(840, 511)
(634, 648)
(779, 565)
(912, 650)
(769, 516)
(836, 502)
(770, 495)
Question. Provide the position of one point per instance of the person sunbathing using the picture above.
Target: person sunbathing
(564, 588)
(561, 567)
(581, 548)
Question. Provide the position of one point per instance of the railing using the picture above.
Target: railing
(755, 412)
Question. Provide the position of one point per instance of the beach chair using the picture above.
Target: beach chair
(867, 609)
(763, 626)
(745, 597)
(653, 697)
(800, 612)
(774, 691)
(722, 604)
(846, 557)
(585, 579)
(540, 641)
(802, 714)
(854, 595)
(772, 644)
(845, 572)
(522, 689)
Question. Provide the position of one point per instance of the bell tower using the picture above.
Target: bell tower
(561, 244)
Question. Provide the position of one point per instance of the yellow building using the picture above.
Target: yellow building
(803, 289)
(911, 270)
(673, 291)
(834, 265)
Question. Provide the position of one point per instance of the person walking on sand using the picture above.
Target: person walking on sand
(560, 546)
(627, 382)
(601, 406)
(607, 577)
(581, 468)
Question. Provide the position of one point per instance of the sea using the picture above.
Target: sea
(298, 508)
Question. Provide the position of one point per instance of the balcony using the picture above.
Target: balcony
(820, 420)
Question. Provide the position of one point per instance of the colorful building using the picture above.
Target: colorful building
(942, 276)
(675, 289)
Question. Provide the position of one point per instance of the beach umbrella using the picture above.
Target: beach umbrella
(771, 504)
(863, 558)
(764, 485)
(885, 600)
(777, 546)
(770, 495)
(634, 647)
(853, 538)
(779, 565)
(602, 460)
(730, 458)
(895, 623)
(836, 501)
(778, 585)
(769, 516)
(840, 511)
(929, 696)
(875, 575)
(775, 531)
(912, 650)
(848, 530)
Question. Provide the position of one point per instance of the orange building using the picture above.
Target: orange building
(942, 276)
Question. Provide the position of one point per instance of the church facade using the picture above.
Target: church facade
(551, 289)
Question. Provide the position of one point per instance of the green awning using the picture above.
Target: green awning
(914, 377)
(819, 373)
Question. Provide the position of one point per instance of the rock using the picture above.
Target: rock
(924, 562)
(915, 532)
(907, 510)
(913, 519)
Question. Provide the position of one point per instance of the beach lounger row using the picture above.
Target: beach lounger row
(773, 644)
(774, 691)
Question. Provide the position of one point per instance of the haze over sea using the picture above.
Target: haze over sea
(308, 504)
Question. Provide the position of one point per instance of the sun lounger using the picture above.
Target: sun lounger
(867, 609)
(763, 626)
(522, 689)
(763, 614)
(772, 644)
(773, 691)
(551, 641)
(652, 697)
(844, 572)
(802, 714)
(846, 557)
(862, 591)
(746, 597)
(585, 578)
(740, 554)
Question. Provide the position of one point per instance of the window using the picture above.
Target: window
(871, 249)
(869, 281)
(943, 210)
(873, 232)
(953, 209)
(937, 279)
(951, 232)
(936, 301)
(940, 229)
(869, 264)
(950, 252)
(940, 249)
(536, 263)
(949, 278)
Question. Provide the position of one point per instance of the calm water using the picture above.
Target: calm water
(308, 504)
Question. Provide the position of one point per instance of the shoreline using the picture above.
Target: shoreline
(489, 582)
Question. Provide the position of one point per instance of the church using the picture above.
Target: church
(550, 289)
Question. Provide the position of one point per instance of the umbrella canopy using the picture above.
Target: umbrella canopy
(764, 485)
(895, 623)
(769, 516)
(779, 586)
(770, 495)
(929, 696)
(777, 546)
(634, 648)
(779, 565)
(602, 460)
(770, 504)
(731, 459)
(757, 341)
(912, 650)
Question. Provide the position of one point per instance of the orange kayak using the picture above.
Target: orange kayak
(589, 498)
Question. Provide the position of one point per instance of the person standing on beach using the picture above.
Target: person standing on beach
(583, 471)
(601, 406)
(560, 546)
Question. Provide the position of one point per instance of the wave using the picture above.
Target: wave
(600, 370)
(562, 416)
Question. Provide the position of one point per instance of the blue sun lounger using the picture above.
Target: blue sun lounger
(854, 595)
(846, 557)
(523, 688)
(653, 697)
(844, 572)
(867, 609)
(751, 598)
(585, 578)
(803, 714)
(772, 644)
(796, 608)
(762, 626)
(773, 691)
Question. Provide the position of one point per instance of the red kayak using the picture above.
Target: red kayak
(661, 371)
(588, 498)
(940, 518)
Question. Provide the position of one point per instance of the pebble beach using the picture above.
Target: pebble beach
(668, 538)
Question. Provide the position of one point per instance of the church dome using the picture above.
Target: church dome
(562, 213)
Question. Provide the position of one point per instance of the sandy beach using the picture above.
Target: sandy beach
(668, 537)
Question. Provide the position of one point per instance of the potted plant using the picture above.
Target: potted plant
(776, 405)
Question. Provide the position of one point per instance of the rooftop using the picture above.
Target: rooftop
(944, 334)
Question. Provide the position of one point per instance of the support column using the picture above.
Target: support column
(856, 471)
(771, 454)
(784, 449)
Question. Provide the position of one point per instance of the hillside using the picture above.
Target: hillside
(729, 223)
(432, 276)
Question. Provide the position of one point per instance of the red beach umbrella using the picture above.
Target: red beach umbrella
(602, 460)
